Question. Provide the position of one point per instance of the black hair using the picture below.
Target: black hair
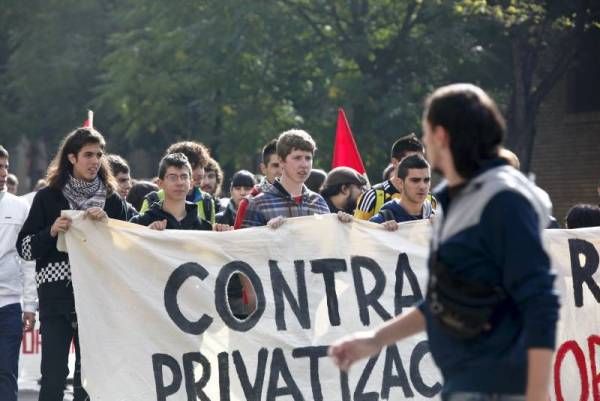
(408, 143)
(583, 215)
(387, 172)
(117, 164)
(243, 178)
(268, 150)
(332, 190)
(315, 180)
(177, 160)
(473, 122)
(409, 162)
(138, 192)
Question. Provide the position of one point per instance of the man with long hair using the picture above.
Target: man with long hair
(491, 309)
(78, 179)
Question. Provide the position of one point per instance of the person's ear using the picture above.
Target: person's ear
(72, 158)
(441, 136)
(401, 184)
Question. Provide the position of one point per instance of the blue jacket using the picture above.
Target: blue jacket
(400, 214)
(490, 233)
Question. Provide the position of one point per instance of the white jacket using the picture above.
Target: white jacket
(17, 277)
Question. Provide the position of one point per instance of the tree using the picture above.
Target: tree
(387, 56)
(50, 70)
(542, 39)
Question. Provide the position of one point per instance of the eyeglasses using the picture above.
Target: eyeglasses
(177, 177)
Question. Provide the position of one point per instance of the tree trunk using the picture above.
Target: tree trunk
(523, 106)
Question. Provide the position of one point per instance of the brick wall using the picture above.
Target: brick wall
(566, 153)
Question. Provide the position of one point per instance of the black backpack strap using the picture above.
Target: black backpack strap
(207, 203)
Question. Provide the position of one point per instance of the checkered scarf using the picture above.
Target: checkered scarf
(82, 194)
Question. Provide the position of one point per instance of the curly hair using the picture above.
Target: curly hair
(196, 153)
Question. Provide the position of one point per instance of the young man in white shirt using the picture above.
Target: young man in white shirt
(17, 281)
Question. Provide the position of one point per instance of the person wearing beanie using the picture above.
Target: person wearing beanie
(242, 183)
(342, 188)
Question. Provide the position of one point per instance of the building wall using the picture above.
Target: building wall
(566, 153)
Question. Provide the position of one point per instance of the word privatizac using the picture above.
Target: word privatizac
(281, 381)
(296, 300)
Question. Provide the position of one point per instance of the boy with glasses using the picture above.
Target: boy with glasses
(173, 211)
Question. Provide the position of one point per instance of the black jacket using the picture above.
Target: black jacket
(191, 221)
(53, 273)
(227, 215)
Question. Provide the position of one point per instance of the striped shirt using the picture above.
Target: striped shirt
(367, 205)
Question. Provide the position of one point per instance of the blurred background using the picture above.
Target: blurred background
(235, 73)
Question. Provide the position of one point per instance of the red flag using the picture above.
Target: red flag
(345, 151)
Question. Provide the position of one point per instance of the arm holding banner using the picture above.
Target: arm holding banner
(365, 344)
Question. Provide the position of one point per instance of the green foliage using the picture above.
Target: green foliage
(234, 74)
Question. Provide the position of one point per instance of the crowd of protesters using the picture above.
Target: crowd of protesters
(187, 194)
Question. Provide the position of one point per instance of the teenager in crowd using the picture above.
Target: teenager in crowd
(270, 168)
(371, 201)
(78, 179)
(198, 157)
(17, 284)
(173, 211)
(414, 177)
(242, 184)
(342, 188)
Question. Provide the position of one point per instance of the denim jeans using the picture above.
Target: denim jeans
(460, 396)
(11, 331)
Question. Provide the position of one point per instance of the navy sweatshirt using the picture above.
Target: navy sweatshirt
(400, 214)
(504, 248)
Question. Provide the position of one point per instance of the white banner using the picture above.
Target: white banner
(154, 322)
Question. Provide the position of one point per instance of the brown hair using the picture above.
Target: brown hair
(294, 139)
(60, 168)
(213, 165)
(196, 153)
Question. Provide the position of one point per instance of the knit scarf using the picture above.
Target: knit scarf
(83, 194)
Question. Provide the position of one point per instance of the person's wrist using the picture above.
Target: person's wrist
(377, 339)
